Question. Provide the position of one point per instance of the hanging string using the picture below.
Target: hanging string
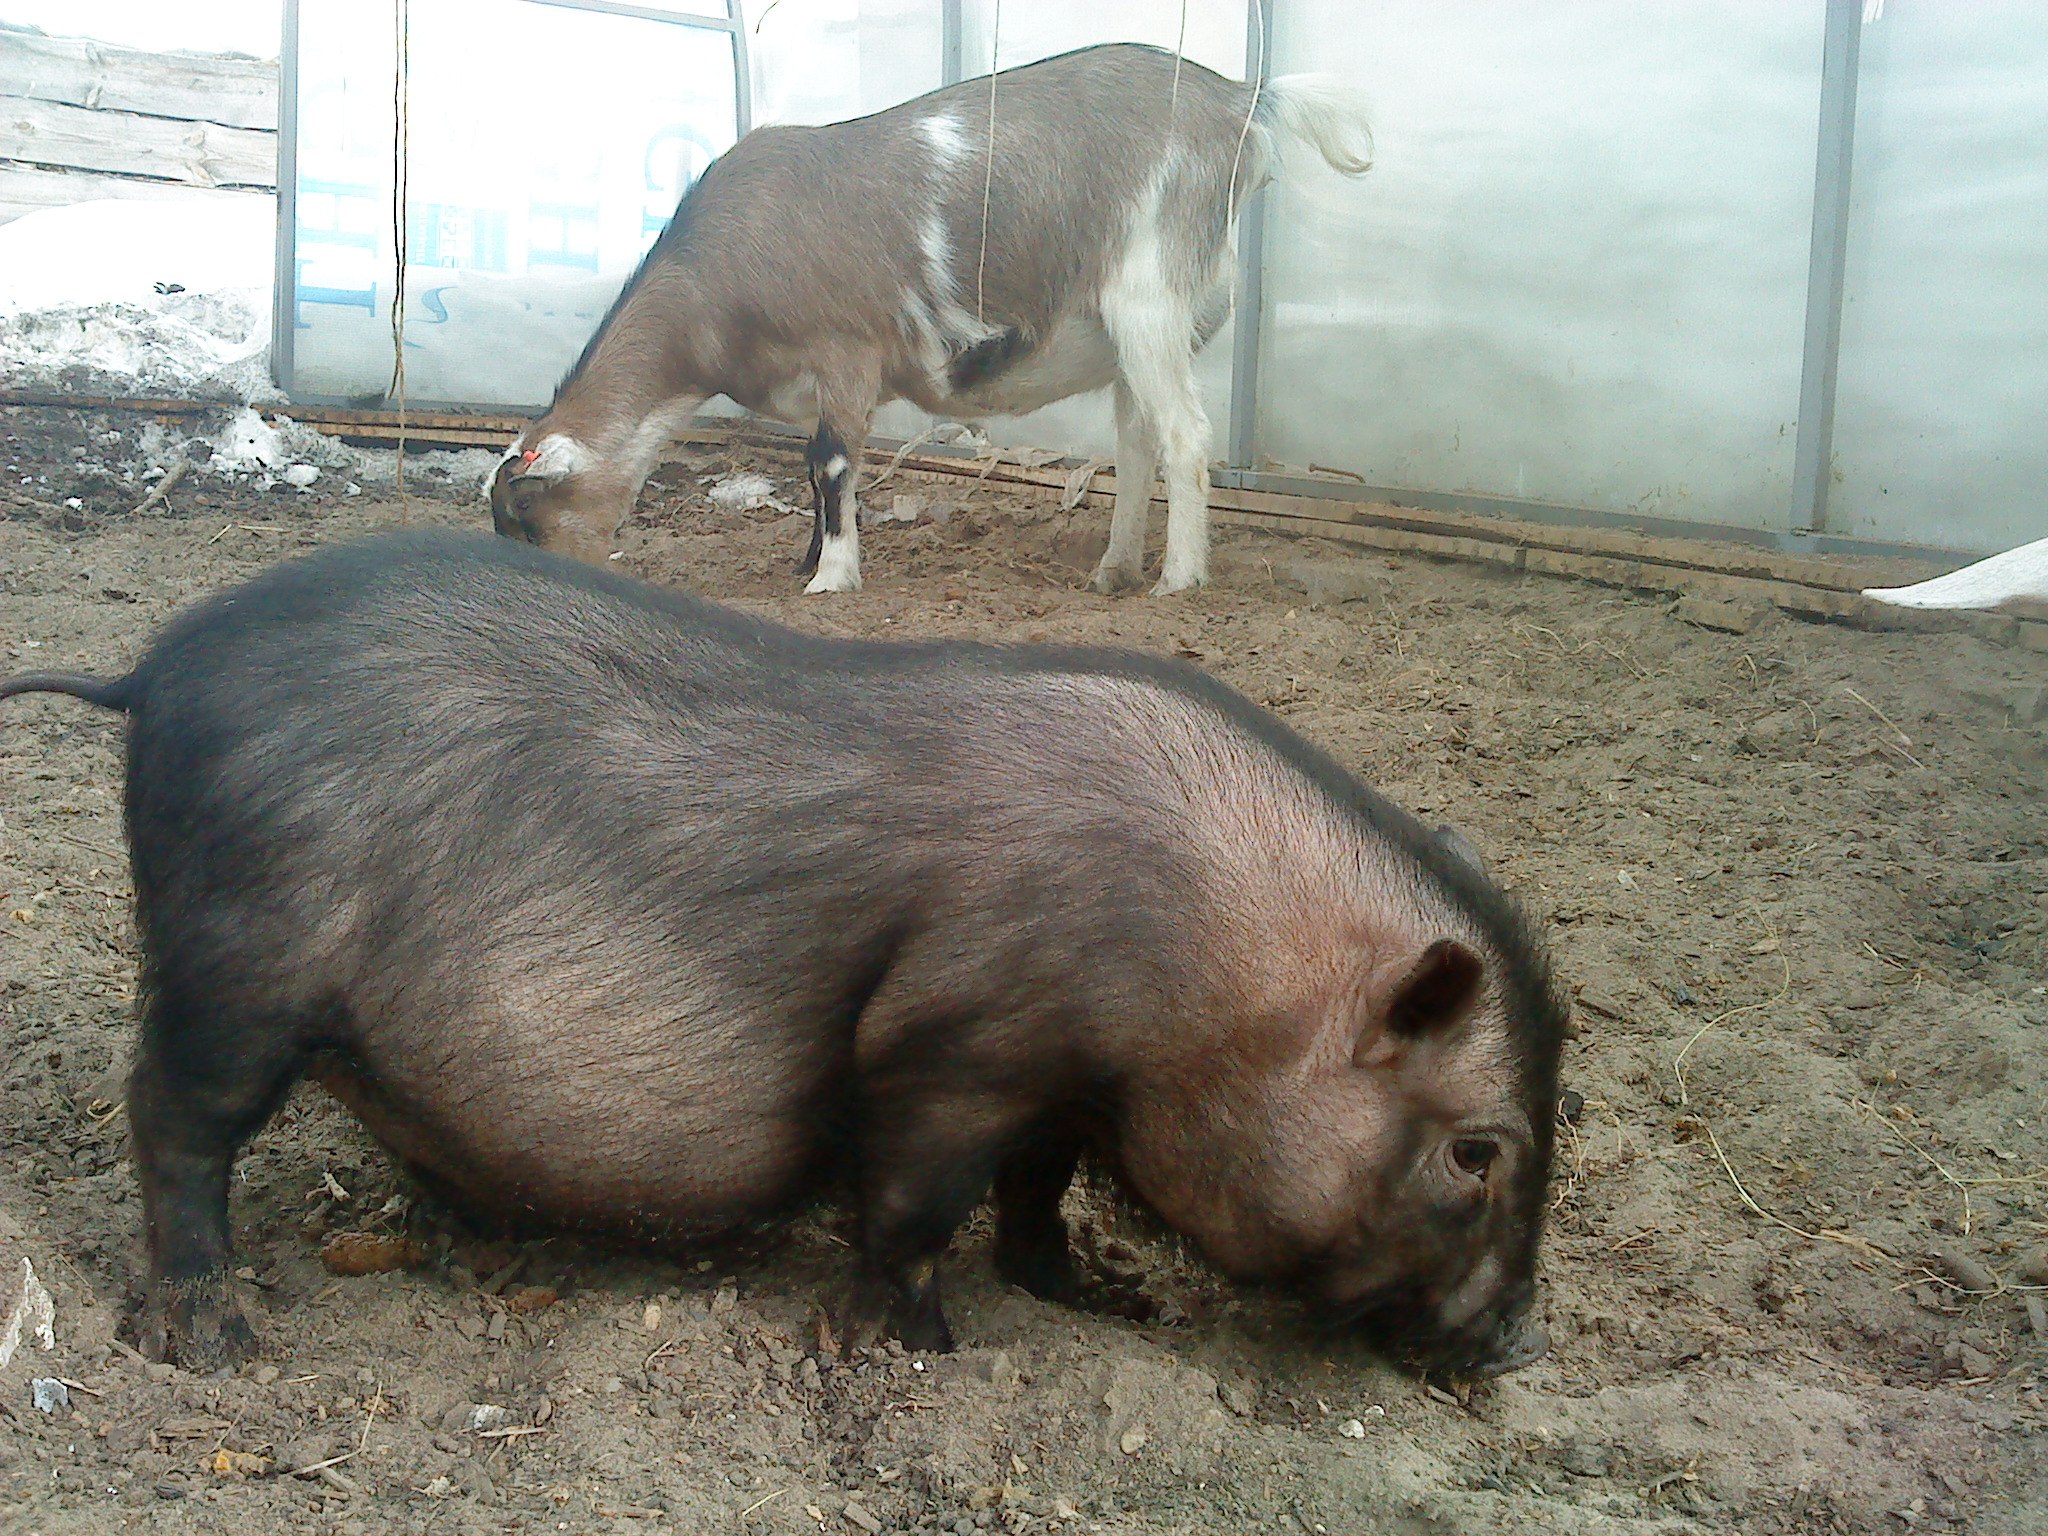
(1180, 45)
(1251, 110)
(401, 131)
(988, 179)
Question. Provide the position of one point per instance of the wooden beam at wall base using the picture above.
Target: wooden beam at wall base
(1808, 586)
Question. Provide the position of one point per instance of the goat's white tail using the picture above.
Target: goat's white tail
(1326, 113)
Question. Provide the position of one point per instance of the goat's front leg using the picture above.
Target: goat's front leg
(833, 459)
(1123, 563)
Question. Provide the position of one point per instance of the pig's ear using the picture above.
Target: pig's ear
(1438, 991)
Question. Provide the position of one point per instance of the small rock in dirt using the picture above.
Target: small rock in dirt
(1329, 582)
(1583, 1460)
(531, 1298)
(726, 1299)
(49, 1394)
(1571, 1106)
(1975, 1362)
(1602, 1004)
(369, 1253)
(483, 1416)
(2037, 1316)
(1732, 617)
(264, 1375)
(1239, 1398)
(996, 1369)
(857, 1514)
(1962, 1267)
(650, 1317)
(166, 1488)
(1352, 1429)
(2033, 1269)
(494, 1330)
(1132, 1442)
(158, 1370)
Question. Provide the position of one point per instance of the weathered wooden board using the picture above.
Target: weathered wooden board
(51, 133)
(204, 87)
(27, 188)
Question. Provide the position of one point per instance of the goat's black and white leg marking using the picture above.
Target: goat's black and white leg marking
(1123, 563)
(834, 557)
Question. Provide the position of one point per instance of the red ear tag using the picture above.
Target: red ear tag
(526, 459)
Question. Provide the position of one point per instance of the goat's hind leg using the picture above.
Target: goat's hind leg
(1154, 333)
(1123, 564)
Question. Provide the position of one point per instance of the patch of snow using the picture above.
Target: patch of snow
(83, 309)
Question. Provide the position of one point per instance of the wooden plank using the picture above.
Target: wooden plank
(50, 133)
(1732, 558)
(203, 87)
(32, 188)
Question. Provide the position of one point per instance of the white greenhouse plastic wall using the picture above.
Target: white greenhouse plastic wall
(1576, 276)
(1941, 420)
(522, 223)
(1577, 272)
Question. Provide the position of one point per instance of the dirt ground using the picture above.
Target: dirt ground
(1788, 1289)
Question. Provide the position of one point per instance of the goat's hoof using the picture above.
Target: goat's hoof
(1172, 583)
(1109, 579)
(833, 581)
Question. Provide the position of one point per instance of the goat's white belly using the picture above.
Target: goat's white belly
(1073, 359)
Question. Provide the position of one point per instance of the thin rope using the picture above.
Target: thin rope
(988, 178)
(401, 137)
(1180, 44)
(1250, 111)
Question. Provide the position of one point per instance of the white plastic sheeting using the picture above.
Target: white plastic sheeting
(1941, 420)
(1577, 271)
(546, 149)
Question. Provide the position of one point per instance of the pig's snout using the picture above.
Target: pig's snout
(1511, 1344)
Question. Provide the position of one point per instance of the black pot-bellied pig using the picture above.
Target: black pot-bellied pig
(604, 904)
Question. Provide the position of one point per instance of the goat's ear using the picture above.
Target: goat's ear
(1433, 994)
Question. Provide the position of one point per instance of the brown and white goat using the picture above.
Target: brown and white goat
(815, 272)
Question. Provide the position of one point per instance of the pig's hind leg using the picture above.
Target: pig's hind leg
(204, 1082)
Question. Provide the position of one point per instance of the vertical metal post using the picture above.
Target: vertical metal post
(284, 298)
(1813, 454)
(1251, 266)
(951, 64)
(742, 71)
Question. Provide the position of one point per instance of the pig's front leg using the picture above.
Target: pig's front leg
(917, 1190)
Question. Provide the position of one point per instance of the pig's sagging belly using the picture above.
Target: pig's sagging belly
(596, 1111)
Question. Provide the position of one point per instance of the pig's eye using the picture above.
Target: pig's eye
(1474, 1154)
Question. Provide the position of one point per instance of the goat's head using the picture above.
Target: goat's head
(556, 494)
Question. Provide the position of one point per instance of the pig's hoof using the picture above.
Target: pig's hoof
(921, 1329)
(1109, 579)
(1045, 1271)
(196, 1324)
